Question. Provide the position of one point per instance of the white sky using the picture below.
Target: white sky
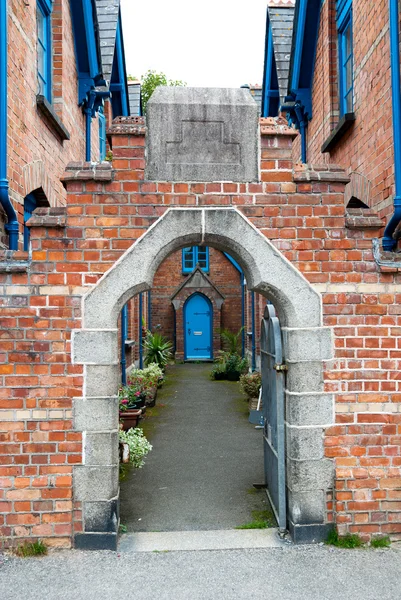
(211, 43)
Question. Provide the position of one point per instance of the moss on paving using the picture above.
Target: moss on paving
(261, 519)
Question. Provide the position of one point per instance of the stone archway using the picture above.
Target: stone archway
(307, 344)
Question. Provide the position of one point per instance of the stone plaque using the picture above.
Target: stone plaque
(202, 134)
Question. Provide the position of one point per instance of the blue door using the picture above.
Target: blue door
(198, 328)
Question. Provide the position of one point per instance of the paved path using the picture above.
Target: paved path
(289, 573)
(205, 458)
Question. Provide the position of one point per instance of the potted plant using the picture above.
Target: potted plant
(229, 366)
(146, 381)
(129, 411)
(250, 384)
(138, 446)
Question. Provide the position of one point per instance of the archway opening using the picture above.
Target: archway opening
(306, 346)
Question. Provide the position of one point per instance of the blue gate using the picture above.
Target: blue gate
(198, 319)
(273, 373)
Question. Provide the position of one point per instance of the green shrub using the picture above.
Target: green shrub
(139, 446)
(349, 540)
(229, 366)
(157, 349)
(381, 542)
(251, 383)
(37, 548)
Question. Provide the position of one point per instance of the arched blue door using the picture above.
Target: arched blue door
(198, 319)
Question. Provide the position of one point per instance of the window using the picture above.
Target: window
(194, 255)
(345, 56)
(44, 47)
(29, 206)
(102, 134)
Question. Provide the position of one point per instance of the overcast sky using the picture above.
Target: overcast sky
(215, 43)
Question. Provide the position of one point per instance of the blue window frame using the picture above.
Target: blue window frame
(102, 134)
(29, 206)
(193, 255)
(44, 47)
(345, 56)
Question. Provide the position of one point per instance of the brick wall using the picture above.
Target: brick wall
(169, 277)
(367, 147)
(301, 211)
(36, 154)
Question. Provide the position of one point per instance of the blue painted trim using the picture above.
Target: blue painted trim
(195, 251)
(303, 55)
(299, 43)
(343, 60)
(239, 269)
(150, 309)
(124, 326)
(389, 243)
(90, 38)
(233, 262)
(343, 7)
(118, 82)
(29, 206)
(302, 123)
(211, 323)
(253, 331)
(86, 51)
(140, 331)
(243, 314)
(88, 133)
(122, 69)
(268, 68)
(102, 134)
(12, 221)
(45, 7)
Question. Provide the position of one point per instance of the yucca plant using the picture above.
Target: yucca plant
(157, 349)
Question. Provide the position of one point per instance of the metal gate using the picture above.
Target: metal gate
(273, 373)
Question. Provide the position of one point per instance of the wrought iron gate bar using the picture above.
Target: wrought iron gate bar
(273, 371)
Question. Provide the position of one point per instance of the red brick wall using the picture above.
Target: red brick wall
(303, 215)
(367, 146)
(31, 140)
(169, 277)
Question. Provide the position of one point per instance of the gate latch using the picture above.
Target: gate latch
(280, 367)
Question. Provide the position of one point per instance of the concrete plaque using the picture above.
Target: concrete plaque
(202, 134)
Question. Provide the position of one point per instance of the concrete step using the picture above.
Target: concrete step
(220, 539)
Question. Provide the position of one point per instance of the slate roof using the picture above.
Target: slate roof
(134, 98)
(107, 12)
(281, 16)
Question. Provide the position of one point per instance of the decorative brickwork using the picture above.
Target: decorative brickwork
(367, 147)
(301, 211)
(37, 156)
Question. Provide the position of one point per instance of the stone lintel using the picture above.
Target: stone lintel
(324, 173)
(55, 216)
(14, 261)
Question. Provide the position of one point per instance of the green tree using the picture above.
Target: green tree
(150, 81)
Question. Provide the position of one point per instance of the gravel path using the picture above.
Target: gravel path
(291, 573)
(205, 458)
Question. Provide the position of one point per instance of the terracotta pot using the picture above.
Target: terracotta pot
(129, 418)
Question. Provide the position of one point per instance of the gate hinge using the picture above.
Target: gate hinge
(280, 367)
